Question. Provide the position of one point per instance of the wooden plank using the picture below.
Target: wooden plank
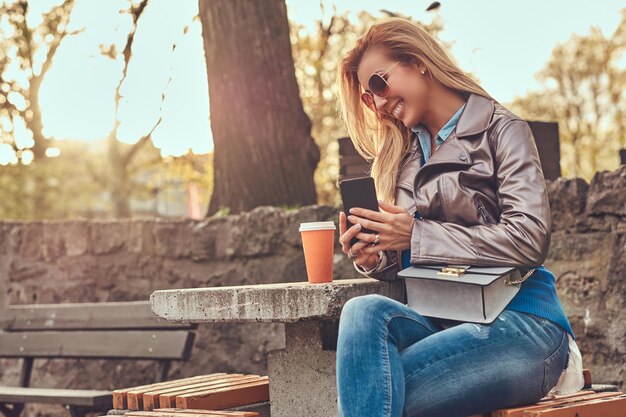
(127, 315)
(169, 399)
(604, 407)
(151, 398)
(184, 412)
(86, 398)
(120, 396)
(196, 413)
(352, 160)
(355, 170)
(561, 400)
(227, 397)
(132, 344)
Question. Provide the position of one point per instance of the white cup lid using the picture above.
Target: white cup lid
(305, 227)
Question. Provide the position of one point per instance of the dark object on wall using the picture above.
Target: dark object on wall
(622, 156)
(351, 164)
(546, 134)
(547, 140)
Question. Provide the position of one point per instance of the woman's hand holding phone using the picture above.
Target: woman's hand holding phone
(394, 225)
(364, 260)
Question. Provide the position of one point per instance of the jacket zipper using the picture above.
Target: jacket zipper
(483, 212)
(442, 198)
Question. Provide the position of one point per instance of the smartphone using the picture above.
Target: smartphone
(358, 192)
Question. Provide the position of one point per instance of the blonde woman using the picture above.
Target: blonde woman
(461, 183)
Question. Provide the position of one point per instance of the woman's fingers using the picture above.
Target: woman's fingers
(346, 234)
(342, 223)
(368, 224)
(358, 246)
(366, 237)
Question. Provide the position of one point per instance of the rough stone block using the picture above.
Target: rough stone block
(109, 236)
(607, 193)
(568, 198)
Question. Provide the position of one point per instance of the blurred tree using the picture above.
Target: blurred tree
(120, 159)
(264, 153)
(317, 55)
(120, 155)
(70, 185)
(26, 55)
(584, 83)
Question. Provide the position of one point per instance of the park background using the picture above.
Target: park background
(142, 141)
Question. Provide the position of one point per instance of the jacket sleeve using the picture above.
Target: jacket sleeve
(386, 271)
(522, 237)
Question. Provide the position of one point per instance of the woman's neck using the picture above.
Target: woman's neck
(443, 104)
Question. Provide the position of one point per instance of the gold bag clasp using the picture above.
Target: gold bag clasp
(451, 271)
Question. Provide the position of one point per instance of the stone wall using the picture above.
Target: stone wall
(588, 257)
(92, 261)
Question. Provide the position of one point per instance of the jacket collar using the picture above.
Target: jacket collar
(476, 116)
(474, 119)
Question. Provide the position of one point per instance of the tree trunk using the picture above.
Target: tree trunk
(120, 183)
(264, 152)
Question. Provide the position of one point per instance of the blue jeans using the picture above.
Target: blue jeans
(394, 362)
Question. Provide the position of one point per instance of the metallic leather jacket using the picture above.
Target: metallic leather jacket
(482, 196)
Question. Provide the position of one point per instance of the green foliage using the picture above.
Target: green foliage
(291, 207)
(71, 188)
(222, 212)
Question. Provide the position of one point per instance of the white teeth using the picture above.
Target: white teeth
(398, 109)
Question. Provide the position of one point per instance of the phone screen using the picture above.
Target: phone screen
(358, 192)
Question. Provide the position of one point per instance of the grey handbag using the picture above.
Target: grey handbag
(461, 292)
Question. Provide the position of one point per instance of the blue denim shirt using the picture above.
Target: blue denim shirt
(424, 136)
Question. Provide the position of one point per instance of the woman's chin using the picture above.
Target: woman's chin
(407, 121)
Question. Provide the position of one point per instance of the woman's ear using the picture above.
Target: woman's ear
(416, 64)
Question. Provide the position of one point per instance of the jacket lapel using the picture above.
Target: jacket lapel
(474, 119)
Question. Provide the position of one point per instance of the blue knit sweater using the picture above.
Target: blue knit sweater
(537, 294)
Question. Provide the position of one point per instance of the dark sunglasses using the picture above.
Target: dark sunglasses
(377, 85)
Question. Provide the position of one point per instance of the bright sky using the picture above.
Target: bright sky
(503, 42)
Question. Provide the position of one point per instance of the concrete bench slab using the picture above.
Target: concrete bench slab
(302, 377)
(283, 302)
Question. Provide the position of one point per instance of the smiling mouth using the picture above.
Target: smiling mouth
(398, 110)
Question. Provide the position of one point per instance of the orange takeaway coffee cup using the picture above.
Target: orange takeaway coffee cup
(318, 241)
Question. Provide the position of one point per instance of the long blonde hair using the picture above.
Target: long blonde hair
(381, 139)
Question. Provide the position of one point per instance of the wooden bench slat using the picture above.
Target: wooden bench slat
(86, 398)
(196, 413)
(170, 399)
(127, 315)
(134, 344)
(221, 398)
(559, 400)
(120, 396)
(604, 407)
(185, 412)
(166, 397)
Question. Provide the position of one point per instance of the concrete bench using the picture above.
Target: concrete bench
(310, 313)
